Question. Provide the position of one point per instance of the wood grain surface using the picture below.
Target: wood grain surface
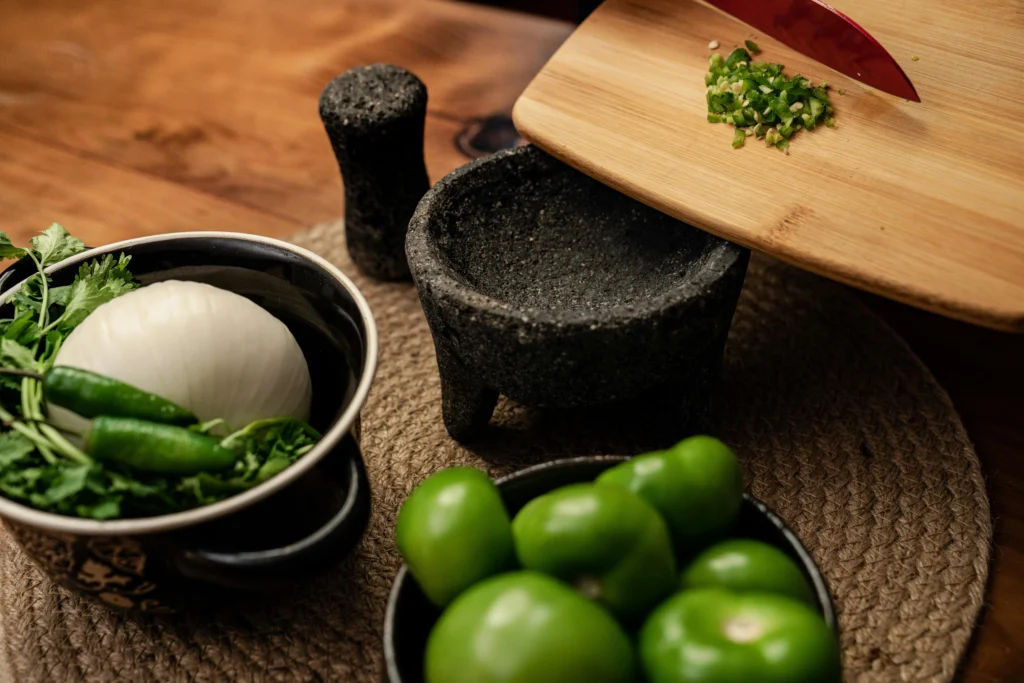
(122, 119)
(922, 202)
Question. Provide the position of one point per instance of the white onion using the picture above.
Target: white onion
(209, 350)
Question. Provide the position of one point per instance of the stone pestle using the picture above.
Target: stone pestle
(375, 116)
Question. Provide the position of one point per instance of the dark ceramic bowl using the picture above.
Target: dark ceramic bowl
(542, 284)
(299, 522)
(410, 616)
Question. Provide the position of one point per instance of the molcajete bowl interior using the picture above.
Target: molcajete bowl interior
(295, 524)
(410, 616)
(542, 284)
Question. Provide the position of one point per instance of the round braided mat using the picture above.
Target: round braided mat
(841, 430)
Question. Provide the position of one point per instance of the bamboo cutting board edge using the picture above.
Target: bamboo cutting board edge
(920, 266)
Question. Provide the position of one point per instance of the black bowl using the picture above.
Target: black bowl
(410, 616)
(545, 286)
(296, 524)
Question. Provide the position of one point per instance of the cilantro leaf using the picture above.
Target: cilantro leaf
(7, 248)
(25, 302)
(85, 296)
(14, 355)
(22, 483)
(24, 329)
(13, 448)
(283, 434)
(59, 295)
(107, 508)
(55, 244)
(106, 268)
(97, 282)
(208, 488)
(53, 341)
(67, 483)
(29, 296)
(274, 465)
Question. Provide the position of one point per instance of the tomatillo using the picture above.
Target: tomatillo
(744, 565)
(454, 530)
(712, 635)
(525, 627)
(696, 485)
(610, 544)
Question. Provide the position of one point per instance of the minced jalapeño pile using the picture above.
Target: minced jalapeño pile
(760, 101)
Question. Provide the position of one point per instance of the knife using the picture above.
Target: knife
(827, 35)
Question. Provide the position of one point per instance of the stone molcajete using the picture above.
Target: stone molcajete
(541, 284)
(538, 282)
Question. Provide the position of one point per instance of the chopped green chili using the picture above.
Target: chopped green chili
(752, 46)
(761, 101)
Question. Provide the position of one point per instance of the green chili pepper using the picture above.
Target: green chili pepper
(158, 448)
(91, 395)
(736, 56)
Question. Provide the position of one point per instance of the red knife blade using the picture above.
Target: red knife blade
(814, 29)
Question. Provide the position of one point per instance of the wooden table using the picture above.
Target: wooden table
(122, 119)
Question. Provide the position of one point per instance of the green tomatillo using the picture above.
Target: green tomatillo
(452, 531)
(525, 627)
(609, 543)
(712, 635)
(696, 485)
(744, 565)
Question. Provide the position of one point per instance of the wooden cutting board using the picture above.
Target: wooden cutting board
(920, 202)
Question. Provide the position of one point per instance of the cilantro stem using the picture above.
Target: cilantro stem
(44, 330)
(47, 438)
(30, 434)
(53, 324)
(26, 430)
(57, 440)
(45, 304)
(63, 446)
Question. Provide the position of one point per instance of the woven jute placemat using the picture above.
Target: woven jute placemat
(840, 428)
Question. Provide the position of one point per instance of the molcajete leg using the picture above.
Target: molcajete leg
(466, 404)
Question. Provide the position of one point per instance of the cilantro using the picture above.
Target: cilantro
(14, 448)
(29, 297)
(107, 508)
(7, 248)
(96, 283)
(55, 244)
(86, 295)
(59, 295)
(14, 355)
(24, 329)
(68, 482)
